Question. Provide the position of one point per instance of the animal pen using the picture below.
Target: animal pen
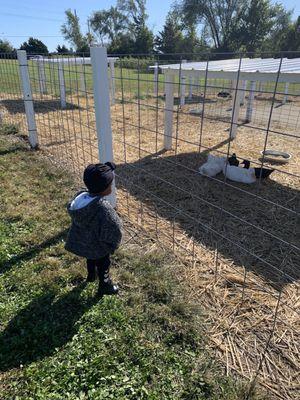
(159, 119)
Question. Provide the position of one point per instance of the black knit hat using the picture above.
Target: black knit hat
(97, 177)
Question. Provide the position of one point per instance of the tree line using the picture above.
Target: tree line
(191, 26)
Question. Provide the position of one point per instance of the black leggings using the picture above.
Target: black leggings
(102, 264)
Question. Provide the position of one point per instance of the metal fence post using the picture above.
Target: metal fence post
(28, 101)
(102, 108)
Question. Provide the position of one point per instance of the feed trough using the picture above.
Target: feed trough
(276, 156)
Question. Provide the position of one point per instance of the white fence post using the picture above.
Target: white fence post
(62, 87)
(190, 87)
(28, 101)
(82, 77)
(260, 88)
(244, 87)
(250, 101)
(42, 76)
(102, 109)
(286, 91)
(235, 109)
(169, 106)
(182, 86)
(112, 81)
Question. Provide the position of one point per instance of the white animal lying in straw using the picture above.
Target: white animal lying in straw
(238, 174)
(214, 165)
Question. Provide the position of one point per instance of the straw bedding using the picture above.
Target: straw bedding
(238, 243)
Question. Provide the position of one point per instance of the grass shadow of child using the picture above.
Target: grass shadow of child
(42, 326)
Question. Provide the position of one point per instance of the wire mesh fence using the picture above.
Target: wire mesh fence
(239, 242)
(11, 98)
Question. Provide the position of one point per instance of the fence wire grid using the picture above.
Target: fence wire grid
(239, 243)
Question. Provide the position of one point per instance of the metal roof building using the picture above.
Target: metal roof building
(238, 70)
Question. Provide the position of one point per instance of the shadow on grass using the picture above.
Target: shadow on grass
(195, 100)
(16, 106)
(33, 251)
(41, 327)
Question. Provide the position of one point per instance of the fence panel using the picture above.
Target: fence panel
(11, 97)
(238, 241)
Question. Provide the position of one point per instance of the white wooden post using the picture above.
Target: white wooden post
(42, 76)
(102, 109)
(260, 89)
(190, 88)
(62, 88)
(169, 106)
(112, 81)
(233, 86)
(28, 101)
(82, 78)
(182, 86)
(155, 80)
(250, 101)
(244, 86)
(286, 91)
(196, 84)
(235, 109)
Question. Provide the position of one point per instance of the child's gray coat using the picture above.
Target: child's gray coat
(95, 230)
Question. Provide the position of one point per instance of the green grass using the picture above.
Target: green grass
(10, 80)
(57, 341)
(132, 82)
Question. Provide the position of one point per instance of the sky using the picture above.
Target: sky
(21, 19)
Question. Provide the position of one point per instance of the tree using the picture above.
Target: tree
(123, 28)
(135, 14)
(34, 46)
(292, 40)
(170, 39)
(72, 32)
(286, 38)
(62, 49)
(123, 44)
(108, 24)
(261, 20)
(133, 11)
(237, 25)
(6, 47)
(219, 17)
(144, 40)
(191, 43)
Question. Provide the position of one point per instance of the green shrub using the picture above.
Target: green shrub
(141, 64)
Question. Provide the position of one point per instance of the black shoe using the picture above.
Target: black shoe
(108, 288)
(91, 269)
(91, 277)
